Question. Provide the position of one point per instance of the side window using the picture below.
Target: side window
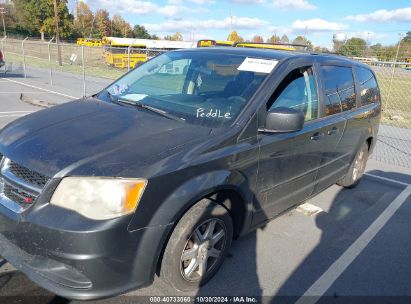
(339, 89)
(368, 86)
(297, 91)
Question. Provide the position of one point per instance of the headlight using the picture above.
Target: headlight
(99, 198)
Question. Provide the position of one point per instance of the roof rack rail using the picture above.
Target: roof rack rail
(305, 46)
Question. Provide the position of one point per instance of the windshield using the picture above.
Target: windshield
(197, 87)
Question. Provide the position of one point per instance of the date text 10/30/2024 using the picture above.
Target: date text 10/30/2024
(204, 299)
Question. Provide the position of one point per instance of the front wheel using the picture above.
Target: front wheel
(197, 246)
(357, 168)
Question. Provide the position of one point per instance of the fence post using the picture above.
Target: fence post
(24, 57)
(2, 46)
(51, 68)
(84, 71)
(393, 70)
(128, 54)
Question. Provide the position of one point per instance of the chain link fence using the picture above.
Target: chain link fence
(87, 68)
(26, 57)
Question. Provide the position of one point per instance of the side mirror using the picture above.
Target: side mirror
(283, 120)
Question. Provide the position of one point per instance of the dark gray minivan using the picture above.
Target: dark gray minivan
(161, 170)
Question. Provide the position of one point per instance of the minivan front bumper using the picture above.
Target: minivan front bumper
(83, 265)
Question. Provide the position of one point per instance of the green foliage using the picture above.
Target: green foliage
(353, 47)
(304, 41)
(120, 27)
(140, 31)
(83, 23)
(32, 14)
(37, 16)
(102, 23)
(273, 39)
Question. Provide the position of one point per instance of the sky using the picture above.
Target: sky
(377, 21)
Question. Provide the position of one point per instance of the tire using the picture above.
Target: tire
(357, 168)
(191, 257)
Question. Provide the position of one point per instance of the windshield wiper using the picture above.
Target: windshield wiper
(151, 109)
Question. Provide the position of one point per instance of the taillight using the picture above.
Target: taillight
(1, 56)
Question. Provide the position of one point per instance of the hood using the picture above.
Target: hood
(93, 137)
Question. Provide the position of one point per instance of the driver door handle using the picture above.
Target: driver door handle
(332, 131)
(317, 136)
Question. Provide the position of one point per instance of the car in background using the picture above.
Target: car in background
(160, 171)
(2, 62)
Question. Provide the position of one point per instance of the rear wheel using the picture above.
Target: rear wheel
(197, 246)
(357, 168)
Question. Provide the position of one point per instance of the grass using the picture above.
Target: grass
(396, 96)
(98, 71)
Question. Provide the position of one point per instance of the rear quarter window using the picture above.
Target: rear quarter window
(369, 90)
(339, 89)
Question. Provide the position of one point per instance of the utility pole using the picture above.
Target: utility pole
(57, 22)
(2, 12)
(368, 44)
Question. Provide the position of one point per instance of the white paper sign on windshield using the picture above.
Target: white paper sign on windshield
(258, 65)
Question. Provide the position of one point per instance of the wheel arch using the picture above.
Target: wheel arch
(230, 195)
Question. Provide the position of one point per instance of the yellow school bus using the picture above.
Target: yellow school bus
(89, 42)
(408, 66)
(265, 46)
(209, 43)
(116, 50)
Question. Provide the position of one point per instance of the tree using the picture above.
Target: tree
(32, 15)
(258, 39)
(274, 39)
(140, 31)
(121, 28)
(284, 39)
(65, 20)
(83, 22)
(353, 47)
(103, 23)
(304, 41)
(375, 50)
(176, 37)
(37, 17)
(319, 49)
(405, 47)
(11, 20)
(387, 53)
(407, 37)
(234, 37)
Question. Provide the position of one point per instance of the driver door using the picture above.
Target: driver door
(289, 162)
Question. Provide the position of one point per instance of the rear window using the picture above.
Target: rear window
(339, 89)
(368, 86)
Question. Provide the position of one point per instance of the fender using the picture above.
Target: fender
(170, 210)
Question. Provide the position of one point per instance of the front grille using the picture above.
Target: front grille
(19, 186)
(18, 196)
(28, 175)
